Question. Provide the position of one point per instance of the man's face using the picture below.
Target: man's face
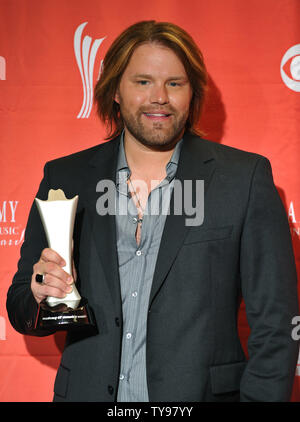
(154, 96)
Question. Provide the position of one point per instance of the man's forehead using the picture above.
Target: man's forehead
(150, 58)
(146, 47)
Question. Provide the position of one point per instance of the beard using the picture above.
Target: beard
(160, 136)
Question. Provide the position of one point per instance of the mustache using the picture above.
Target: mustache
(164, 110)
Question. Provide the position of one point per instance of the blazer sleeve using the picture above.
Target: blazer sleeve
(269, 288)
(21, 304)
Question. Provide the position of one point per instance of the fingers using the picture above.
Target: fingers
(57, 282)
(52, 256)
(53, 269)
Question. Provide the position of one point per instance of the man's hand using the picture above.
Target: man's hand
(57, 282)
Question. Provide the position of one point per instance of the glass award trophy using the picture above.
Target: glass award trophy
(58, 216)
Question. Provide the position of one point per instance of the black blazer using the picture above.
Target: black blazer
(243, 249)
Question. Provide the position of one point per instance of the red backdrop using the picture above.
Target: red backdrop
(252, 51)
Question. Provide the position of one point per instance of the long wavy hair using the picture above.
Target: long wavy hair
(117, 59)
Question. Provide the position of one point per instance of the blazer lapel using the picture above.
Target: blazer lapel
(103, 167)
(196, 162)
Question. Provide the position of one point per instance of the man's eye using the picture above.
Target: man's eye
(174, 84)
(142, 82)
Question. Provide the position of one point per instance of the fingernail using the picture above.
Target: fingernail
(70, 279)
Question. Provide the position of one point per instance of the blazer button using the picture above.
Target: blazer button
(117, 321)
(110, 389)
(29, 323)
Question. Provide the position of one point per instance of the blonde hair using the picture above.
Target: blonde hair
(117, 59)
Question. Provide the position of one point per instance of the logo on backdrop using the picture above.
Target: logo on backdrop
(85, 53)
(11, 233)
(294, 223)
(2, 69)
(290, 68)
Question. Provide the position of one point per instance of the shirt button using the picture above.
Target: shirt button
(121, 377)
(134, 294)
(128, 335)
(138, 253)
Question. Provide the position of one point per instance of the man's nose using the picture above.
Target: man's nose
(159, 94)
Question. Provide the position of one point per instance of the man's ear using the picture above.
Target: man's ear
(117, 96)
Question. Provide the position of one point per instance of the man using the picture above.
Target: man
(165, 291)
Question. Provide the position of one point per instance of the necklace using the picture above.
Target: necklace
(137, 201)
(139, 208)
(136, 197)
(140, 211)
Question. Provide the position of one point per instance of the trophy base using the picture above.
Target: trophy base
(61, 317)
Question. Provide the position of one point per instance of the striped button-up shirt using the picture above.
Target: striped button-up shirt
(136, 269)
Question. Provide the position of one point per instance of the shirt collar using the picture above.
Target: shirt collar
(123, 165)
(122, 162)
